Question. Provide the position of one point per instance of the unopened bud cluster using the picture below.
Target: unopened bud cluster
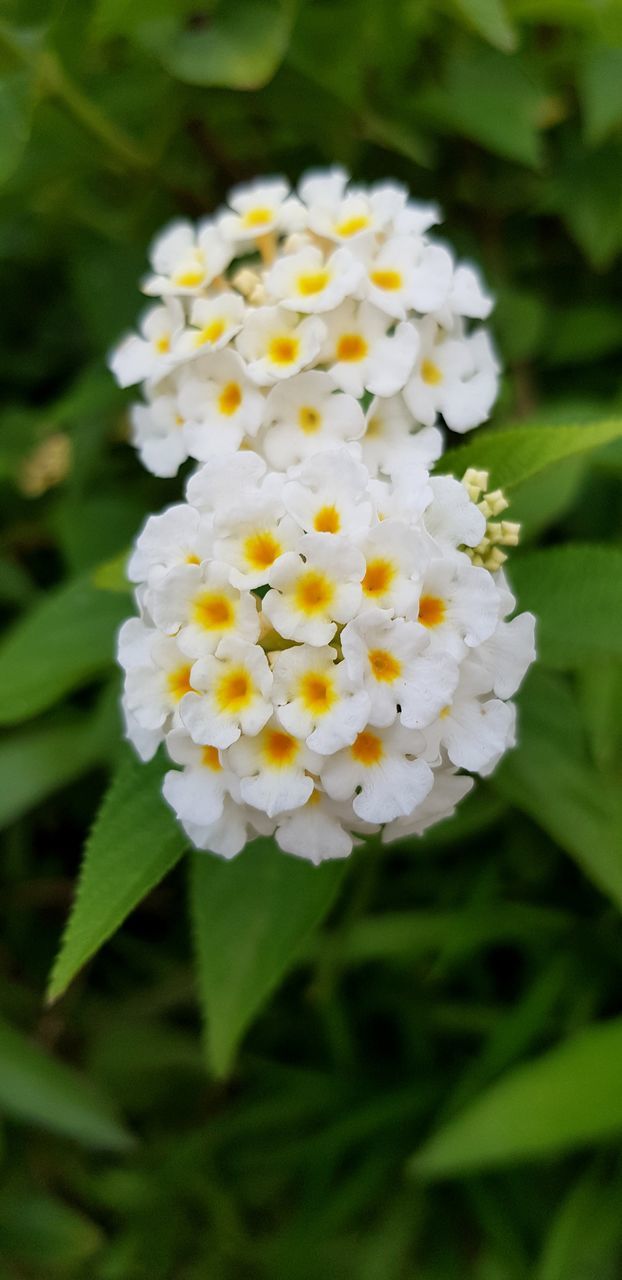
(324, 640)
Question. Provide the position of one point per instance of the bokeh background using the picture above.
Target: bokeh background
(461, 1003)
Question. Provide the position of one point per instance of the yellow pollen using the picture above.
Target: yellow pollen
(280, 750)
(214, 611)
(374, 426)
(309, 420)
(261, 549)
(378, 578)
(317, 692)
(190, 278)
(283, 350)
(211, 332)
(313, 283)
(229, 399)
(191, 558)
(327, 520)
(431, 373)
(163, 344)
(367, 749)
(314, 592)
(431, 611)
(234, 691)
(351, 346)
(350, 226)
(386, 279)
(442, 715)
(179, 682)
(258, 217)
(211, 759)
(179, 421)
(385, 667)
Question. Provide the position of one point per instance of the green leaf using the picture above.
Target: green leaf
(600, 89)
(586, 1233)
(135, 840)
(65, 641)
(576, 595)
(37, 1089)
(551, 778)
(568, 1098)
(112, 575)
(238, 46)
(586, 193)
(15, 106)
(251, 917)
(35, 1226)
(514, 454)
(490, 20)
(600, 695)
(489, 98)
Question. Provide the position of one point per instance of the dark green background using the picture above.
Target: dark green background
(443, 966)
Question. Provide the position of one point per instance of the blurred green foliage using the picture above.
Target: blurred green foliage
(434, 1090)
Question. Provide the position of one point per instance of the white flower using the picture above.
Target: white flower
(314, 589)
(393, 439)
(229, 834)
(258, 208)
(440, 803)
(157, 432)
(150, 354)
(197, 793)
(506, 655)
(251, 535)
(467, 295)
(220, 406)
(316, 699)
(199, 605)
(451, 518)
(305, 415)
(233, 694)
(276, 346)
(274, 769)
(387, 657)
(473, 729)
(393, 563)
(458, 605)
(360, 354)
(184, 260)
(320, 830)
(379, 770)
(213, 323)
(178, 536)
(351, 217)
(455, 376)
(330, 495)
(211, 487)
(407, 274)
(306, 281)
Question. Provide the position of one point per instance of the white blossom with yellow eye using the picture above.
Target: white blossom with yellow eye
(361, 355)
(306, 281)
(316, 699)
(213, 322)
(306, 415)
(315, 588)
(185, 260)
(151, 353)
(230, 694)
(330, 494)
(198, 604)
(258, 208)
(275, 344)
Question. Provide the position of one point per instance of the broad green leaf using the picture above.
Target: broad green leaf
(15, 104)
(238, 46)
(585, 1239)
(586, 193)
(66, 640)
(546, 498)
(600, 88)
(489, 98)
(134, 841)
(582, 334)
(251, 917)
(112, 575)
(38, 760)
(565, 1099)
(600, 695)
(37, 1089)
(576, 595)
(490, 20)
(514, 454)
(550, 777)
(35, 1226)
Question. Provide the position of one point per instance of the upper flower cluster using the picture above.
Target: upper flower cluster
(293, 323)
(322, 648)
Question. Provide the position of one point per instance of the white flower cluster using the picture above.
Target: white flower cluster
(321, 647)
(346, 322)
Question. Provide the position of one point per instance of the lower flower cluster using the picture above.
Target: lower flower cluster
(324, 650)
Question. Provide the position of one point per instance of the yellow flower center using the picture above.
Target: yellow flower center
(214, 611)
(317, 692)
(258, 217)
(314, 592)
(385, 667)
(163, 344)
(327, 520)
(211, 332)
(350, 226)
(378, 577)
(309, 420)
(283, 350)
(229, 399)
(234, 690)
(431, 373)
(431, 611)
(351, 346)
(211, 759)
(179, 681)
(261, 549)
(367, 749)
(384, 278)
(279, 749)
(190, 277)
(312, 283)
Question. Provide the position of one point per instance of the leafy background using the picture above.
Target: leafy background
(411, 1066)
